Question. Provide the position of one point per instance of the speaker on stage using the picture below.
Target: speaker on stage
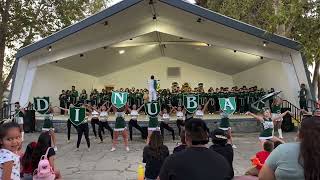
(287, 124)
(29, 120)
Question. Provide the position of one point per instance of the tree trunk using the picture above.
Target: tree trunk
(3, 33)
(281, 28)
(315, 79)
(318, 84)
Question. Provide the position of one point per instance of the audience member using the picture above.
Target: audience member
(299, 160)
(183, 144)
(44, 142)
(10, 141)
(26, 161)
(154, 155)
(259, 159)
(221, 145)
(197, 161)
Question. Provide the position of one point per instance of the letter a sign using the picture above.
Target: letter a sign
(119, 99)
(228, 105)
(41, 104)
(152, 108)
(77, 115)
(191, 102)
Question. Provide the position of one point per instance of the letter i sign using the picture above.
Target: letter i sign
(228, 105)
(77, 115)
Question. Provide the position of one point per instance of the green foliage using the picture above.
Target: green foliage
(26, 21)
(298, 19)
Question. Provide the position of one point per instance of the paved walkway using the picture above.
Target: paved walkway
(100, 163)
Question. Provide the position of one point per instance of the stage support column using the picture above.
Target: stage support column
(292, 83)
(27, 85)
(23, 82)
(18, 80)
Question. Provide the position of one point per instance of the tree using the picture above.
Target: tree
(25, 21)
(298, 19)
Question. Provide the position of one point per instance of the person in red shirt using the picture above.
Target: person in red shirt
(259, 159)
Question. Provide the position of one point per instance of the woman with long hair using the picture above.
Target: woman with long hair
(26, 161)
(44, 142)
(299, 160)
(154, 155)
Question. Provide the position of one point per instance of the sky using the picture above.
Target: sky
(116, 1)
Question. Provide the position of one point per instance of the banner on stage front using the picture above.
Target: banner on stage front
(77, 115)
(119, 99)
(191, 102)
(228, 105)
(152, 108)
(41, 104)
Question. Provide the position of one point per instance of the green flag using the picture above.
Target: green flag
(77, 115)
(119, 99)
(152, 108)
(41, 104)
(228, 105)
(191, 102)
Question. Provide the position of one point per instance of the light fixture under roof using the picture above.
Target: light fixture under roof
(265, 43)
(209, 45)
(50, 48)
(122, 51)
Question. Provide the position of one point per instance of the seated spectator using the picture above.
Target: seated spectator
(44, 142)
(197, 162)
(259, 159)
(183, 144)
(26, 162)
(154, 155)
(221, 145)
(299, 160)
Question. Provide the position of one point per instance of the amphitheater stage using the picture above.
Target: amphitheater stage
(239, 123)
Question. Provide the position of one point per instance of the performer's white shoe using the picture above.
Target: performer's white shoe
(234, 146)
(55, 149)
(113, 149)
(68, 141)
(127, 149)
(89, 149)
(76, 150)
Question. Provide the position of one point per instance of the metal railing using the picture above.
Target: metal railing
(6, 112)
(296, 112)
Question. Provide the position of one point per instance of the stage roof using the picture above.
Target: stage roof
(146, 30)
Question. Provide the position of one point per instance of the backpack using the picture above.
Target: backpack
(44, 170)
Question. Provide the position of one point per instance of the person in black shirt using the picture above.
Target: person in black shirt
(196, 162)
(221, 145)
(303, 97)
(154, 155)
(63, 101)
(183, 144)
